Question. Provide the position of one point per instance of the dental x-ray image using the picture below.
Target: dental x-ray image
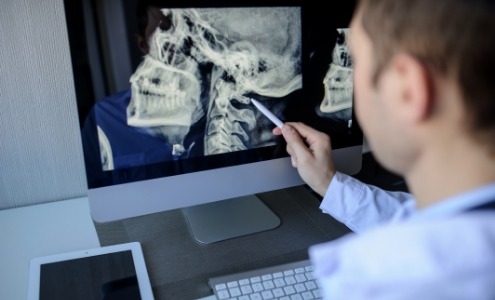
(338, 84)
(191, 91)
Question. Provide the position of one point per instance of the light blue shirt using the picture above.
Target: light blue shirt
(396, 252)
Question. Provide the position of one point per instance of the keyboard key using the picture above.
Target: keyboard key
(300, 287)
(290, 280)
(255, 279)
(278, 292)
(310, 276)
(306, 296)
(255, 296)
(234, 292)
(310, 285)
(244, 282)
(289, 290)
(257, 287)
(266, 277)
(301, 278)
(317, 293)
(267, 295)
(246, 289)
(268, 285)
(223, 294)
(279, 282)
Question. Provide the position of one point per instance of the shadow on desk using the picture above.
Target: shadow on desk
(179, 267)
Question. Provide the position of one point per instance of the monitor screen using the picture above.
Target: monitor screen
(163, 92)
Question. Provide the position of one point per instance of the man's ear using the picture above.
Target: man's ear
(142, 44)
(415, 90)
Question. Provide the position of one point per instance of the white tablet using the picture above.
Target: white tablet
(101, 273)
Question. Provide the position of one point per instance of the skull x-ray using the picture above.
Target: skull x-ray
(338, 84)
(206, 64)
(163, 88)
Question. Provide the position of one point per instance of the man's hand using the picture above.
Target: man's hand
(311, 154)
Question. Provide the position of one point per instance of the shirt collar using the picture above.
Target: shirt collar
(458, 203)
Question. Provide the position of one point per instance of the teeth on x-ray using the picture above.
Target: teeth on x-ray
(259, 54)
(338, 80)
(162, 95)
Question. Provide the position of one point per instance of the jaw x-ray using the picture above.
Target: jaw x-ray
(338, 82)
(206, 65)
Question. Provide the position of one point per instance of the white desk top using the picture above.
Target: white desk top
(41, 230)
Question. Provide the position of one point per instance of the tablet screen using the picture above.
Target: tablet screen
(94, 274)
(97, 277)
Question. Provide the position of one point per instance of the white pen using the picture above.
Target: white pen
(268, 113)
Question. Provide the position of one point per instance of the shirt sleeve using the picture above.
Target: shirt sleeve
(361, 206)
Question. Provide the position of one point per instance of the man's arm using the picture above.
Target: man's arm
(361, 206)
(352, 202)
(311, 154)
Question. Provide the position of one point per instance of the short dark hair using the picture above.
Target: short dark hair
(142, 13)
(454, 38)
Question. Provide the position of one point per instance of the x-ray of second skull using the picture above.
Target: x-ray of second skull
(338, 85)
(207, 62)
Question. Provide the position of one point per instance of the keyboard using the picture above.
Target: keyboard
(289, 281)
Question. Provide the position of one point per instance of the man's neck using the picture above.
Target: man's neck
(440, 172)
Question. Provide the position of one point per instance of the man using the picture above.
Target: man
(124, 130)
(424, 96)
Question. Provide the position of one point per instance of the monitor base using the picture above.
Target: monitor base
(223, 220)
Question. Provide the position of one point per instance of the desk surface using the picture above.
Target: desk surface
(41, 230)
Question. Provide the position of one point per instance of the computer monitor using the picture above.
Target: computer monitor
(163, 99)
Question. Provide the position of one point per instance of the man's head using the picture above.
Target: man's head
(149, 17)
(428, 54)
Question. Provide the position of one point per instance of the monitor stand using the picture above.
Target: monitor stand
(226, 219)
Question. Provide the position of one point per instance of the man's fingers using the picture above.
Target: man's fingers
(309, 134)
(292, 155)
(277, 131)
(294, 141)
(293, 161)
